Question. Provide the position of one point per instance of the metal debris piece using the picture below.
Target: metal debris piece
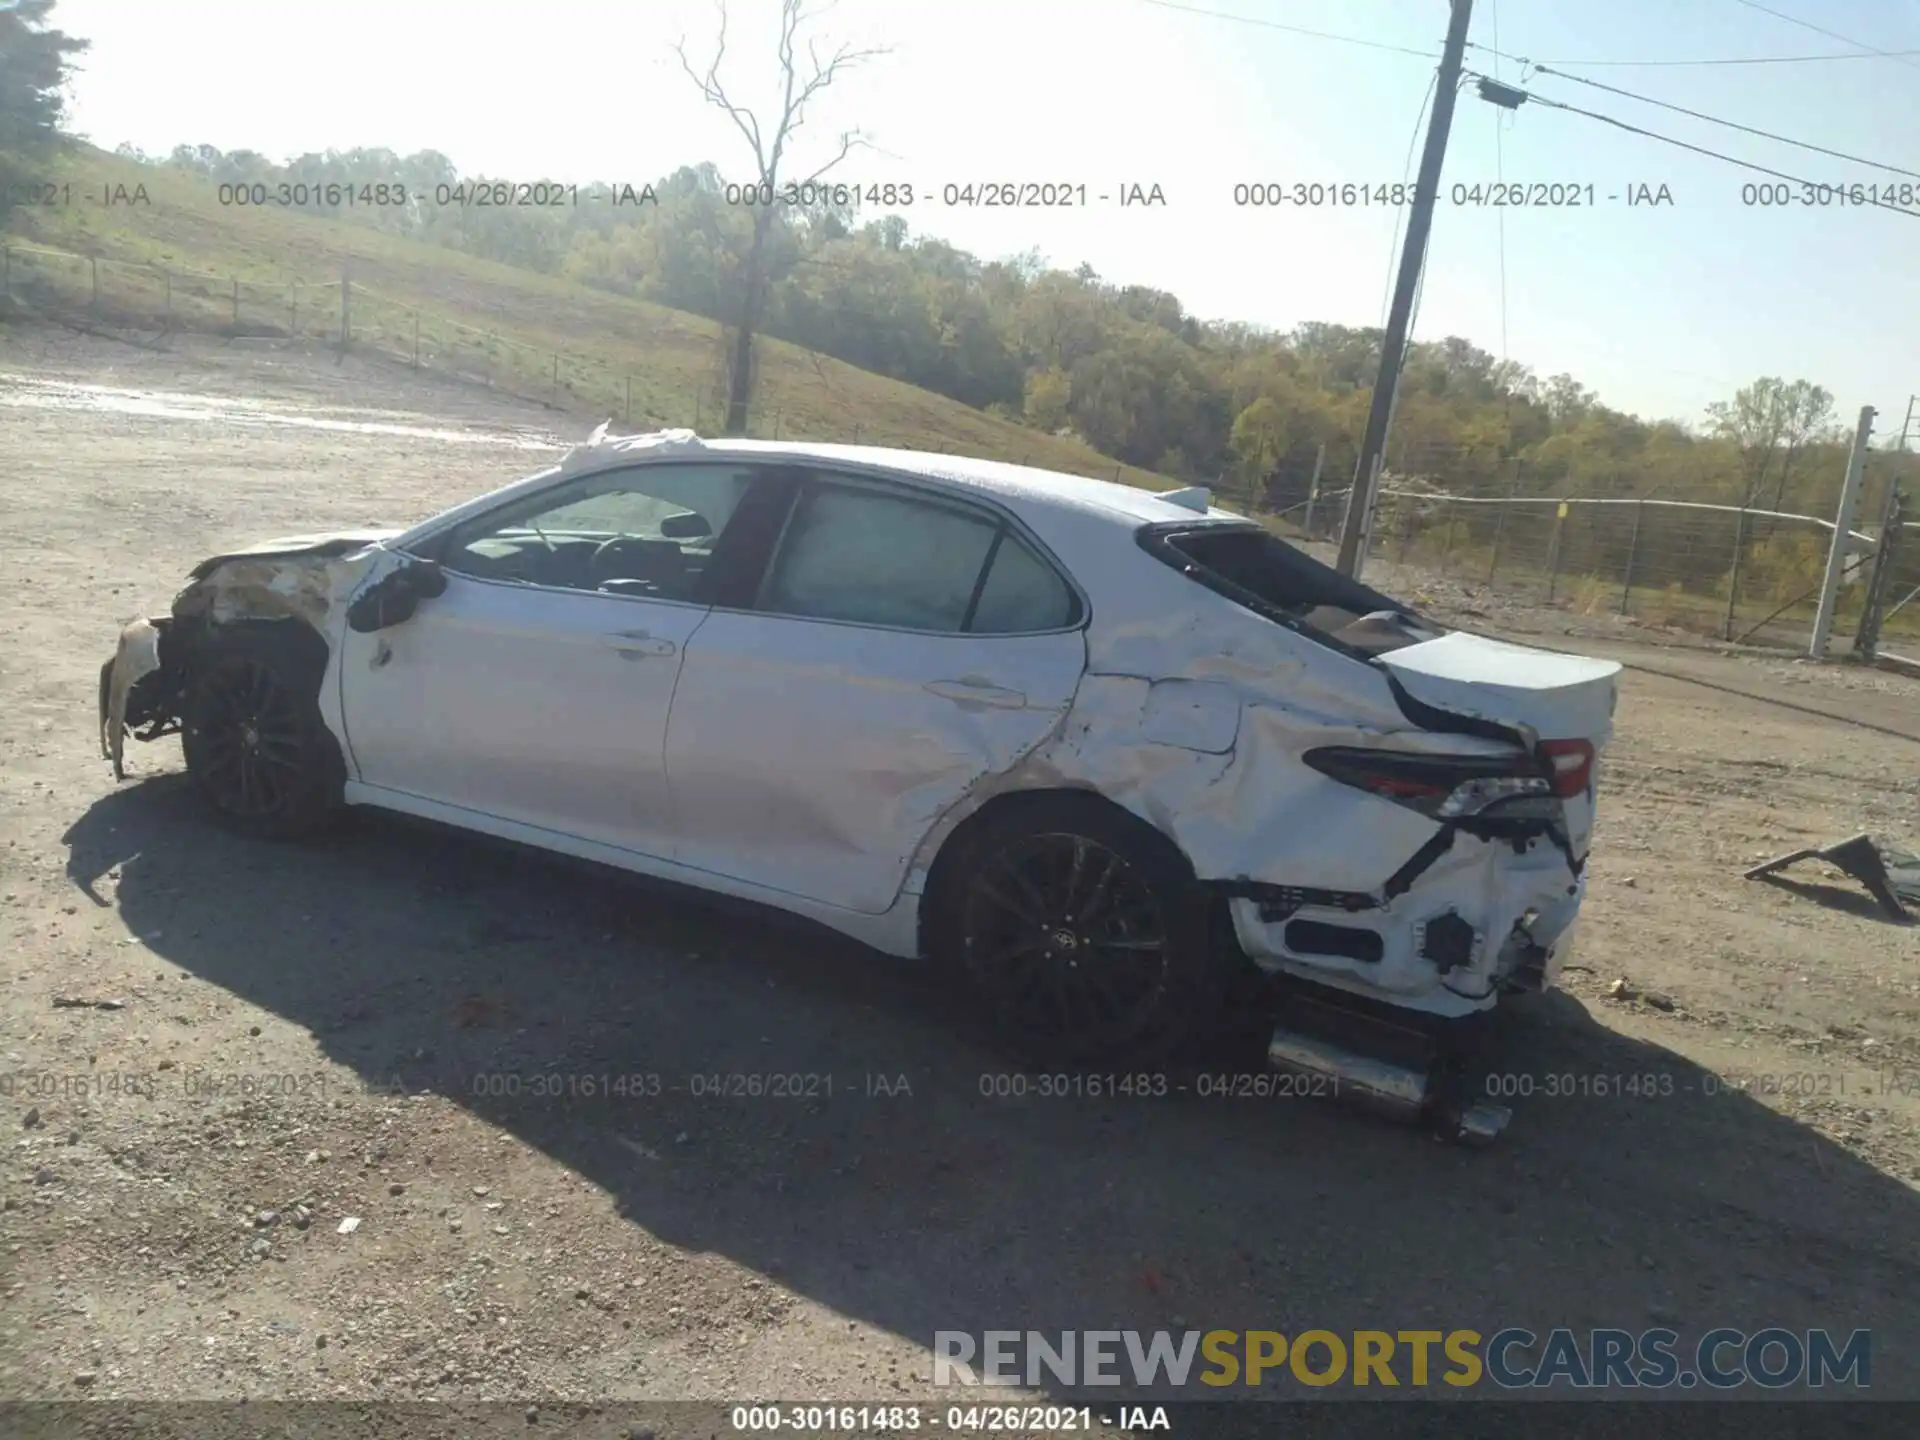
(79, 1002)
(1890, 876)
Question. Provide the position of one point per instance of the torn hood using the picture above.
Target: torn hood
(1557, 696)
(328, 543)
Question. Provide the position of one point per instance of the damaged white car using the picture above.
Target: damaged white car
(1105, 753)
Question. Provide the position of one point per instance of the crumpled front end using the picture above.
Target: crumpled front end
(304, 580)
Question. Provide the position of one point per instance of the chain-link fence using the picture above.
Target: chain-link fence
(1740, 574)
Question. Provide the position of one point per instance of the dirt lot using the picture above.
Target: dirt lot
(676, 1246)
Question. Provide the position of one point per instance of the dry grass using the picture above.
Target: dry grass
(186, 260)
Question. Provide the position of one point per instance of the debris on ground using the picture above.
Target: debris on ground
(77, 1002)
(1891, 876)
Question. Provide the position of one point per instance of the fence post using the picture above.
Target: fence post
(1733, 579)
(293, 311)
(1633, 554)
(1500, 522)
(93, 263)
(776, 424)
(6, 273)
(167, 275)
(416, 339)
(627, 417)
(1873, 609)
(556, 375)
(346, 312)
(1446, 533)
(1313, 488)
(1553, 549)
(492, 340)
(1842, 537)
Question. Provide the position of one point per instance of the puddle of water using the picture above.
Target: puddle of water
(23, 392)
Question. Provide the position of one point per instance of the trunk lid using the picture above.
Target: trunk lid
(1555, 695)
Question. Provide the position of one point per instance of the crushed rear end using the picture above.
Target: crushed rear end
(1407, 842)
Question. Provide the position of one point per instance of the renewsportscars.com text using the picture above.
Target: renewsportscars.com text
(1511, 1358)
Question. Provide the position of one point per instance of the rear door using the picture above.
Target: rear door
(899, 647)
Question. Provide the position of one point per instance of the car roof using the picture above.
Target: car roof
(1022, 488)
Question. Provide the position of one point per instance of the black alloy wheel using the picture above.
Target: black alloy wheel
(255, 743)
(1070, 941)
(251, 741)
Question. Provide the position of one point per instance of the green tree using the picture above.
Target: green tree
(34, 61)
(1048, 395)
(1258, 441)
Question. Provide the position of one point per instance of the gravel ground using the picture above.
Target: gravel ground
(304, 1153)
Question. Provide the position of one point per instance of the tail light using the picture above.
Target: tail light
(1571, 762)
(1448, 787)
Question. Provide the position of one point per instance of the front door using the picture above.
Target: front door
(536, 688)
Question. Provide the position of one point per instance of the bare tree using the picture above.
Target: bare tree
(802, 78)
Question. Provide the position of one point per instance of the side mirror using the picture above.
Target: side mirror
(392, 600)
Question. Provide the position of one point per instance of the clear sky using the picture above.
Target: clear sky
(1661, 310)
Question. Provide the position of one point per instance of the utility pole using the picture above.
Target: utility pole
(1842, 537)
(1393, 345)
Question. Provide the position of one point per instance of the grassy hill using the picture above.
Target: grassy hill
(185, 260)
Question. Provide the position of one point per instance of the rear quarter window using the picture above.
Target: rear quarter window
(1262, 572)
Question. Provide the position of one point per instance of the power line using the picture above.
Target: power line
(1293, 29)
(1821, 30)
(1500, 175)
(1265, 24)
(1406, 174)
(1696, 149)
(1731, 124)
(1729, 60)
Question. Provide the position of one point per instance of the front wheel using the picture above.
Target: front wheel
(1083, 933)
(254, 741)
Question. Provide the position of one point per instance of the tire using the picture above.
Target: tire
(255, 745)
(1081, 932)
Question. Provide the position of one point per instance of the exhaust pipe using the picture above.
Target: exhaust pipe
(1398, 1091)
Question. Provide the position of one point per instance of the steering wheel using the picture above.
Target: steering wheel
(636, 557)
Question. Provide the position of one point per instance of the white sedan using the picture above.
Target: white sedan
(1104, 752)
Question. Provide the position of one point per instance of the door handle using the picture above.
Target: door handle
(633, 644)
(974, 692)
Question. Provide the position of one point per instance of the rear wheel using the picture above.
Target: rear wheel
(1081, 930)
(254, 741)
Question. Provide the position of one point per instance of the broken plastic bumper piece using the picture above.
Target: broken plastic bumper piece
(1890, 876)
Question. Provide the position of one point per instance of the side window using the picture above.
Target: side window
(648, 531)
(1022, 593)
(877, 558)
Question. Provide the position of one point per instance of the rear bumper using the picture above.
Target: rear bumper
(1480, 921)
